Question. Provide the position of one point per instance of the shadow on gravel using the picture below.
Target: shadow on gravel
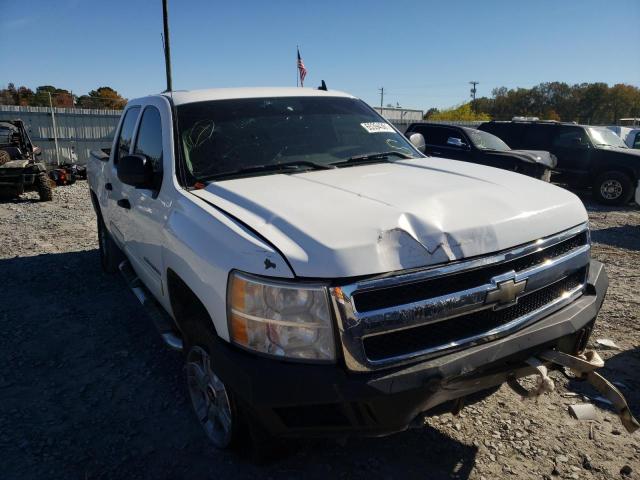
(624, 236)
(87, 390)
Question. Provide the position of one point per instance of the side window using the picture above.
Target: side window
(570, 138)
(438, 136)
(636, 143)
(504, 131)
(149, 141)
(427, 132)
(126, 133)
(536, 137)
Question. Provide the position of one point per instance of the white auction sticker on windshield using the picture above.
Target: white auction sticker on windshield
(377, 127)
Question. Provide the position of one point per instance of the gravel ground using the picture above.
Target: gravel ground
(88, 390)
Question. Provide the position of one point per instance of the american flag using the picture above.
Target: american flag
(301, 69)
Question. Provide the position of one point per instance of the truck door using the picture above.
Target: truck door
(148, 209)
(573, 149)
(115, 215)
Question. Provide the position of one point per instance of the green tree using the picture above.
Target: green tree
(461, 113)
(430, 113)
(102, 97)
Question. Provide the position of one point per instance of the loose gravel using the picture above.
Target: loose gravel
(87, 390)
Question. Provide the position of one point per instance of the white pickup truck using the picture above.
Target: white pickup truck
(321, 274)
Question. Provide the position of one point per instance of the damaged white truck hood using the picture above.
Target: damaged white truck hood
(378, 218)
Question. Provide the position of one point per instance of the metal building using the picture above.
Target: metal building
(78, 130)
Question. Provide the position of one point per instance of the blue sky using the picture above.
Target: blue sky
(422, 52)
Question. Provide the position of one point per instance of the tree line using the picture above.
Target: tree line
(102, 97)
(588, 103)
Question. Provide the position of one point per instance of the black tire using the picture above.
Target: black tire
(43, 187)
(110, 254)
(613, 188)
(200, 338)
(4, 157)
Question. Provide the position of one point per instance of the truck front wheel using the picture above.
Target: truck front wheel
(214, 404)
(613, 188)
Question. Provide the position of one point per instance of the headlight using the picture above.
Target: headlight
(280, 319)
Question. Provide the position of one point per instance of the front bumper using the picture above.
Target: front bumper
(294, 399)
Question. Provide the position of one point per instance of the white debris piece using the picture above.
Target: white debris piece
(583, 411)
(607, 344)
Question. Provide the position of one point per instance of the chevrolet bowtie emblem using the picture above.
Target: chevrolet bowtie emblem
(505, 294)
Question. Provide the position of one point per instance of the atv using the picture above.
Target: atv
(19, 170)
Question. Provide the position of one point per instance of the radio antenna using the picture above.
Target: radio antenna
(167, 47)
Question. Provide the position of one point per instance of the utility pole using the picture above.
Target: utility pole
(55, 130)
(381, 90)
(473, 95)
(167, 48)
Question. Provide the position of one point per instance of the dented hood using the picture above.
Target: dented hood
(378, 218)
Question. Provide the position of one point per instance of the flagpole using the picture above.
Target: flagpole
(297, 53)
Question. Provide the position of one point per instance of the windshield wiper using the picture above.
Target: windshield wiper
(270, 167)
(371, 157)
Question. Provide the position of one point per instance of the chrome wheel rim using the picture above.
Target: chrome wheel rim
(611, 189)
(209, 397)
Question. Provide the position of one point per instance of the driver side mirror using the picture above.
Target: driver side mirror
(417, 140)
(456, 142)
(136, 170)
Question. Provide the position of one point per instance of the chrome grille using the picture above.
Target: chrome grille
(400, 318)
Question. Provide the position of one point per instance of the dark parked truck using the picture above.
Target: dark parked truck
(472, 145)
(321, 275)
(19, 170)
(592, 157)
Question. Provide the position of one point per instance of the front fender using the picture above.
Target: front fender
(203, 245)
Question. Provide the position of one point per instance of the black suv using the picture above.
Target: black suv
(587, 156)
(471, 145)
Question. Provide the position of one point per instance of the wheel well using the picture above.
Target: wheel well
(627, 171)
(186, 305)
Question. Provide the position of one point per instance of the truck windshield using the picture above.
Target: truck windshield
(486, 141)
(221, 138)
(603, 137)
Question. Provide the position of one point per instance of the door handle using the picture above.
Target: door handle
(108, 186)
(124, 203)
(437, 153)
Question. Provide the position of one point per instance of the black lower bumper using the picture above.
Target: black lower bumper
(293, 399)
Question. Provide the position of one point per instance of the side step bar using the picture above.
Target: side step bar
(161, 319)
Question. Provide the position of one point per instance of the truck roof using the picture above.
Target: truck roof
(537, 122)
(190, 96)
